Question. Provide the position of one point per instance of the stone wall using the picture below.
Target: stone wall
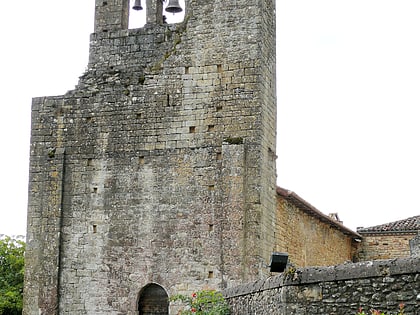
(160, 166)
(385, 246)
(415, 246)
(309, 237)
(335, 290)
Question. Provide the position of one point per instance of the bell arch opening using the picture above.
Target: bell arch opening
(171, 11)
(137, 16)
(153, 300)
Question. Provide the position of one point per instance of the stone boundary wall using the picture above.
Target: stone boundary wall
(333, 290)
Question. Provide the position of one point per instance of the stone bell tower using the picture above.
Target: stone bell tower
(156, 174)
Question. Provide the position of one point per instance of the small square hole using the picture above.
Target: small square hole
(89, 162)
(95, 228)
(211, 274)
(218, 156)
(141, 160)
(211, 187)
(219, 108)
(210, 128)
(187, 70)
(138, 115)
(192, 129)
(95, 190)
(219, 68)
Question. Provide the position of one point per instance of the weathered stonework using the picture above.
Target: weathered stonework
(385, 246)
(334, 290)
(160, 166)
(310, 237)
(415, 246)
(389, 240)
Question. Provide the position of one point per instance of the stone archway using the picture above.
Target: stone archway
(153, 300)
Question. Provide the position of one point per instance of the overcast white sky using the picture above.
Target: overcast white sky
(348, 100)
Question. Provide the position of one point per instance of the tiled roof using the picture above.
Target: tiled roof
(407, 225)
(312, 211)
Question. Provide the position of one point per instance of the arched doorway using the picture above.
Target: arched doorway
(153, 300)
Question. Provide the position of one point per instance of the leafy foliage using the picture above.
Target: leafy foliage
(377, 312)
(11, 276)
(206, 302)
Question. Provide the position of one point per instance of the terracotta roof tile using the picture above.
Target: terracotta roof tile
(407, 225)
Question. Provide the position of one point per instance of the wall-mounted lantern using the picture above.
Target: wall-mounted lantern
(278, 261)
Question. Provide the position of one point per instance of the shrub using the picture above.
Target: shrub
(206, 302)
(377, 312)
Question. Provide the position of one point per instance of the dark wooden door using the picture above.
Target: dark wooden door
(153, 300)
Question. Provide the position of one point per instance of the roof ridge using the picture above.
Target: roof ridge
(314, 212)
(404, 225)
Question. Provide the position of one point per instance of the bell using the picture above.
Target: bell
(137, 5)
(173, 7)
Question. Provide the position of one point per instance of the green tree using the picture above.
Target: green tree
(11, 275)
